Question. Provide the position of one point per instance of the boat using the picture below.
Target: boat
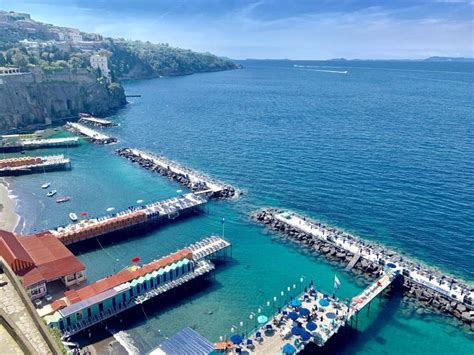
(51, 193)
(139, 201)
(73, 216)
(46, 185)
(63, 199)
(110, 209)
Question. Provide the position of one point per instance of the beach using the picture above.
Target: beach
(8, 218)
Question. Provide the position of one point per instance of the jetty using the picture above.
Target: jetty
(432, 288)
(190, 178)
(30, 165)
(29, 144)
(158, 213)
(82, 308)
(95, 121)
(93, 135)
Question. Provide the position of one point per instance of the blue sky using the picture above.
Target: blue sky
(297, 29)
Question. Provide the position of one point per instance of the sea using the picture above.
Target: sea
(381, 149)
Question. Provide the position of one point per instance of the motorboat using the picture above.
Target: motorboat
(46, 185)
(63, 199)
(73, 216)
(110, 209)
(51, 193)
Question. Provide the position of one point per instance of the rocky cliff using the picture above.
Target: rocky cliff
(34, 99)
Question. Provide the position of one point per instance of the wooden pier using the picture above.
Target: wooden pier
(157, 212)
(30, 165)
(93, 135)
(190, 178)
(29, 144)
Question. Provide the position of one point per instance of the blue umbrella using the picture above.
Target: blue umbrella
(236, 339)
(288, 349)
(262, 319)
(324, 302)
(293, 315)
(249, 342)
(296, 303)
(296, 330)
(304, 312)
(311, 326)
(305, 335)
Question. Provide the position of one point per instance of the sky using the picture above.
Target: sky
(275, 29)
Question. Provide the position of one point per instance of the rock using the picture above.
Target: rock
(460, 307)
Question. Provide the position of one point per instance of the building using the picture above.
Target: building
(99, 61)
(40, 259)
(9, 70)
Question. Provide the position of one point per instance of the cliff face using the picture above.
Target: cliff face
(31, 99)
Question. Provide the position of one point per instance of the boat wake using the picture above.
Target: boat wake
(313, 68)
(126, 340)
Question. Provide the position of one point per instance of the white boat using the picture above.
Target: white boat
(179, 191)
(73, 216)
(46, 185)
(110, 209)
(139, 201)
(51, 193)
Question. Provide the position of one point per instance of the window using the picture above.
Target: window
(79, 316)
(70, 278)
(89, 312)
(101, 307)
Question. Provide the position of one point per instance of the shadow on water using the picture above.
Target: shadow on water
(349, 339)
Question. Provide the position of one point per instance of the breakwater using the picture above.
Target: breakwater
(431, 288)
(190, 178)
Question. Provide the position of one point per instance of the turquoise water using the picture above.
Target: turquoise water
(385, 152)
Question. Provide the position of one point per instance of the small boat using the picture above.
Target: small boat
(63, 199)
(179, 191)
(110, 209)
(46, 185)
(139, 201)
(73, 216)
(51, 193)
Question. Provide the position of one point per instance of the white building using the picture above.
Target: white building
(100, 61)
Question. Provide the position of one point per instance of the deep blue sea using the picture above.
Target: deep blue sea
(385, 151)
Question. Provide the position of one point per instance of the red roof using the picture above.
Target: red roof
(44, 257)
(123, 276)
(11, 249)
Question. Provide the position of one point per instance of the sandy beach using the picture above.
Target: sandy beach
(8, 218)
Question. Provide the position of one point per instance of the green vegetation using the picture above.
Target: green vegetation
(56, 335)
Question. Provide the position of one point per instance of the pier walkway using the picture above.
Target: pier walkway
(29, 165)
(19, 145)
(93, 135)
(209, 247)
(156, 212)
(97, 121)
(190, 178)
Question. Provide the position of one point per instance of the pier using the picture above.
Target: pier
(210, 248)
(93, 135)
(157, 212)
(95, 303)
(431, 287)
(187, 177)
(95, 121)
(30, 165)
(29, 144)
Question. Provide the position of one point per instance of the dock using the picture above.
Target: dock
(190, 178)
(430, 286)
(157, 212)
(210, 248)
(29, 144)
(82, 308)
(93, 135)
(31, 165)
(95, 121)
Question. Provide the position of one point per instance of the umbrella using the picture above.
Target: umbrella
(304, 312)
(262, 319)
(236, 339)
(293, 315)
(323, 302)
(296, 330)
(311, 326)
(249, 342)
(296, 303)
(305, 335)
(357, 300)
(288, 349)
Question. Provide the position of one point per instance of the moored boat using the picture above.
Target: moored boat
(46, 185)
(51, 193)
(63, 199)
(73, 216)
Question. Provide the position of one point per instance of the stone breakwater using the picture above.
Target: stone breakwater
(189, 178)
(427, 290)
